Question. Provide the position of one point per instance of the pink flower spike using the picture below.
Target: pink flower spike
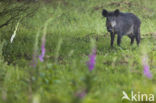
(92, 60)
(147, 72)
(43, 50)
(81, 94)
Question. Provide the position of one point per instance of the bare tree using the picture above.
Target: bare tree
(11, 11)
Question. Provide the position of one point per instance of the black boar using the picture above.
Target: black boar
(122, 24)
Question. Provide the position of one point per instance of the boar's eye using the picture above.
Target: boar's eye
(110, 18)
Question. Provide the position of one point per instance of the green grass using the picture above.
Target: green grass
(69, 35)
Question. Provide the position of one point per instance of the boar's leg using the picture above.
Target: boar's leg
(112, 39)
(137, 34)
(119, 39)
(131, 36)
(132, 40)
(138, 39)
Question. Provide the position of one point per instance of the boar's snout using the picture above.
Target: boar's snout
(110, 27)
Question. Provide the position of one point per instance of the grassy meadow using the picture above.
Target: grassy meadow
(70, 30)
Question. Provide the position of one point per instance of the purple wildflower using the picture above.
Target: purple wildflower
(147, 72)
(43, 50)
(81, 94)
(91, 62)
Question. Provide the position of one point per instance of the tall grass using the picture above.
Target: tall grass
(71, 28)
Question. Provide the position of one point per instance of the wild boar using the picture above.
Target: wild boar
(122, 24)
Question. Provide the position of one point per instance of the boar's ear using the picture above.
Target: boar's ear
(116, 12)
(104, 13)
